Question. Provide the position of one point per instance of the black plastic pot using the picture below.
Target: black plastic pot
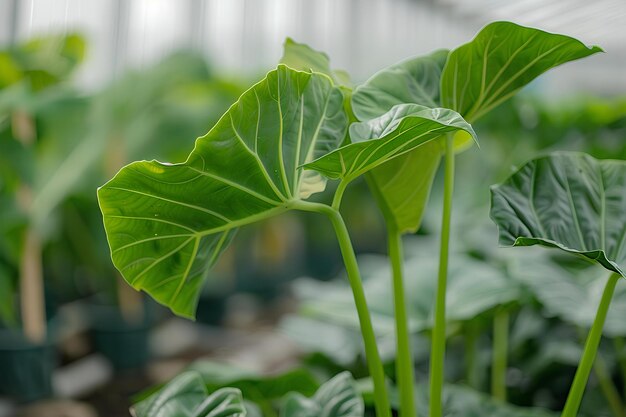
(25, 368)
(125, 343)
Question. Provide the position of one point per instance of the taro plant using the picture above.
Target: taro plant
(167, 223)
(575, 203)
(472, 80)
(274, 148)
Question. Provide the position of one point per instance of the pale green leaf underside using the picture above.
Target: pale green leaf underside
(397, 132)
(498, 62)
(187, 396)
(566, 200)
(338, 397)
(168, 223)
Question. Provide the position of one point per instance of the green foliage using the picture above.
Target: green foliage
(338, 397)
(498, 62)
(571, 294)
(566, 200)
(401, 130)
(186, 396)
(249, 165)
(41, 62)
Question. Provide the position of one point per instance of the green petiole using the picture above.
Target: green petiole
(438, 346)
(585, 365)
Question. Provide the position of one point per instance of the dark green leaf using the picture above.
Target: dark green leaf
(498, 62)
(168, 223)
(186, 396)
(338, 397)
(566, 200)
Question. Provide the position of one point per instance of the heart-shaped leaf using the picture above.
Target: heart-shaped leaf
(187, 396)
(397, 132)
(498, 62)
(302, 57)
(338, 397)
(168, 223)
(566, 200)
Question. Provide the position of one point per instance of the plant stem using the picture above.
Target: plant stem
(471, 353)
(438, 346)
(500, 353)
(341, 188)
(374, 364)
(577, 389)
(608, 387)
(404, 359)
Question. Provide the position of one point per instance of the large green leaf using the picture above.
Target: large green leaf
(571, 295)
(415, 80)
(498, 62)
(186, 396)
(566, 200)
(167, 223)
(338, 397)
(399, 131)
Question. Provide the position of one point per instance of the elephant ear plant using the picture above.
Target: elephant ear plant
(472, 80)
(168, 223)
(575, 203)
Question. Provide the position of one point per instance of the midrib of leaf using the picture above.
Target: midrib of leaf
(155, 262)
(519, 73)
(154, 219)
(397, 151)
(570, 198)
(281, 161)
(234, 185)
(532, 200)
(194, 252)
(255, 154)
(247, 220)
(311, 150)
(503, 68)
(149, 239)
(467, 81)
(191, 206)
(298, 146)
(602, 210)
